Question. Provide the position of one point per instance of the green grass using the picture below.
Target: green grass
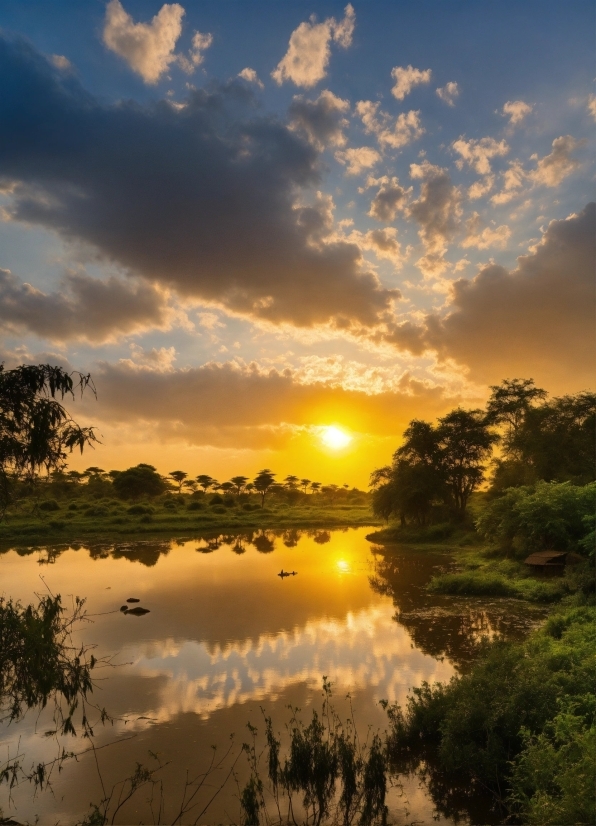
(84, 519)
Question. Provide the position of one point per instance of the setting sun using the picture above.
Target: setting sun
(334, 437)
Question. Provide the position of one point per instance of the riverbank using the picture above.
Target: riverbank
(112, 519)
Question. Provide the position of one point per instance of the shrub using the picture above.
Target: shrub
(73, 506)
(140, 510)
(218, 509)
(57, 524)
(230, 502)
(49, 505)
(195, 506)
(216, 499)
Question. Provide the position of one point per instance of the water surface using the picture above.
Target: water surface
(226, 636)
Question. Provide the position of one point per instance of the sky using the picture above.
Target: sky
(253, 221)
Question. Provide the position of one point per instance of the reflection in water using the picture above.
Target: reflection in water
(225, 635)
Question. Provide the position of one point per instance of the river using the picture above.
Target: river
(225, 636)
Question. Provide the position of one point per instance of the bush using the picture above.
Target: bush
(550, 515)
(49, 505)
(57, 524)
(218, 509)
(98, 510)
(73, 506)
(140, 510)
(216, 499)
(142, 480)
(230, 502)
(249, 507)
(195, 506)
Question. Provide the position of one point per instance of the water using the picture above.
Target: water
(226, 636)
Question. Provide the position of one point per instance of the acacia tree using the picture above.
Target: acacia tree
(178, 476)
(262, 482)
(239, 483)
(304, 483)
(205, 481)
(36, 431)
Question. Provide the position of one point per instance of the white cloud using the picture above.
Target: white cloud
(516, 110)
(406, 78)
(200, 42)
(405, 130)
(485, 238)
(358, 159)
(555, 167)
(61, 62)
(477, 153)
(592, 106)
(305, 63)
(481, 187)
(513, 179)
(251, 77)
(449, 93)
(148, 48)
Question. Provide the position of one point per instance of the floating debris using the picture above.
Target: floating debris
(124, 608)
(137, 612)
(132, 599)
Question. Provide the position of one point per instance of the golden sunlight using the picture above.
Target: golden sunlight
(334, 437)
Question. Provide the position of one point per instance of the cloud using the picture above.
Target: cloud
(553, 168)
(305, 63)
(148, 48)
(481, 188)
(200, 199)
(251, 76)
(383, 242)
(85, 308)
(61, 62)
(437, 210)
(513, 180)
(592, 106)
(449, 93)
(482, 239)
(536, 320)
(478, 153)
(390, 198)
(406, 78)
(516, 111)
(200, 43)
(322, 120)
(231, 403)
(405, 130)
(358, 159)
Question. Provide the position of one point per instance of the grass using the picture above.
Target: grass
(105, 518)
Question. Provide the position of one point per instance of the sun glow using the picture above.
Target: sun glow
(334, 438)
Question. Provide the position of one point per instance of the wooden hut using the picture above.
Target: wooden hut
(547, 562)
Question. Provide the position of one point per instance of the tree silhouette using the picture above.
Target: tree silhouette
(263, 481)
(239, 483)
(178, 476)
(290, 482)
(304, 483)
(205, 481)
(315, 487)
(36, 432)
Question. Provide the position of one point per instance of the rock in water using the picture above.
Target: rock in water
(124, 608)
(138, 611)
(133, 599)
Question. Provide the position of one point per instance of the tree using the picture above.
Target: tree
(315, 487)
(36, 431)
(226, 487)
(178, 476)
(510, 402)
(141, 480)
(304, 483)
(291, 482)
(205, 481)
(465, 442)
(262, 482)
(239, 483)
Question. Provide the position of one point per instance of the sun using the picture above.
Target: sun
(334, 438)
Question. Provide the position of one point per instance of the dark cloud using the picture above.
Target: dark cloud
(85, 308)
(322, 120)
(230, 404)
(536, 320)
(199, 197)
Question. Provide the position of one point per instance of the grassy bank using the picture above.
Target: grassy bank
(173, 515)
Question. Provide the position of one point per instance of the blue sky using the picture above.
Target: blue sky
(240, 201)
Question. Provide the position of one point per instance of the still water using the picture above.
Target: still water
(225, 636)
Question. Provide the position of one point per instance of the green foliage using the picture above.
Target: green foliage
(141, 480)
(548, 516)
(552, 780)
(321, 755)
(49, 505)
(499, 722)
